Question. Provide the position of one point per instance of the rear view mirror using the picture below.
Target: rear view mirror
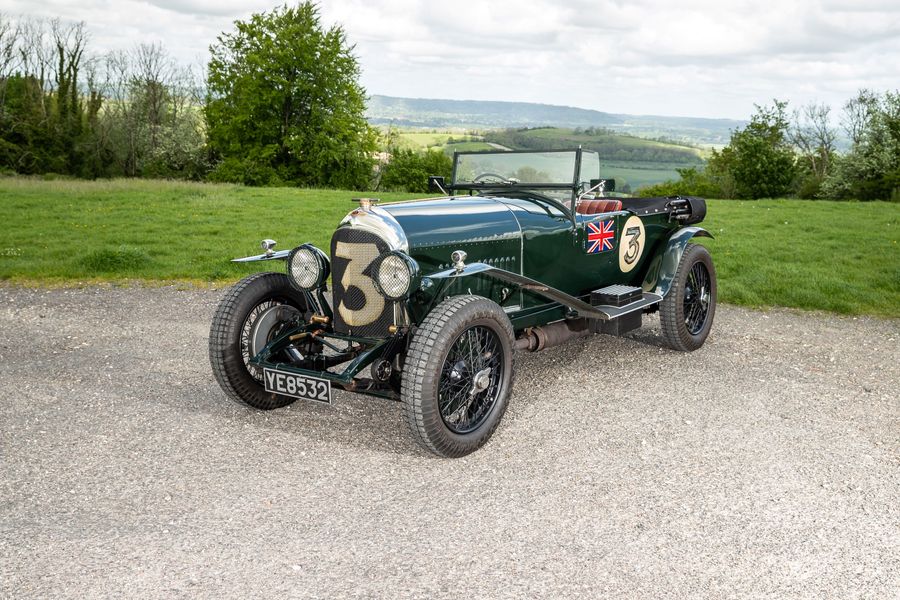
(609, 185)
(436, 184)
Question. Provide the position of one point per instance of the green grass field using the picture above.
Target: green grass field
(567, 138)
(58, 231)
(467, 147)
(835, 256)
(425, 140)
(841, 257)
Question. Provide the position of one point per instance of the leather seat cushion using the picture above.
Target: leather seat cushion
(603, 205)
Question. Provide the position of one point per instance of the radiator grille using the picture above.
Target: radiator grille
(358, 307)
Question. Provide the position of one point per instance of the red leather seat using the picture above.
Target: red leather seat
(603, 205)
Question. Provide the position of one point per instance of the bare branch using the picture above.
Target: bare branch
(857, 114)
(811, 133)
(9, 38)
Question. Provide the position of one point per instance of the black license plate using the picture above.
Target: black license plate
(298, 386)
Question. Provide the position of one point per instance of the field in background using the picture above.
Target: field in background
(447, 141)
(422, 113)
(633, 161)
(841, 257)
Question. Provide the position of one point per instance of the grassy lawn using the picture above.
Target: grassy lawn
(835, 256)
(841, 257)
(57, 231)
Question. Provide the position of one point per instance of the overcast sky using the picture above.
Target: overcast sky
(712, 58)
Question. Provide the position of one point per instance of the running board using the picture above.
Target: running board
(576, 305)
(614, 312)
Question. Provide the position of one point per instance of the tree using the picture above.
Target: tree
(409, 171)
(42, 117)
(9, 34)
(759, 159)
(871, 170)
(154, 126)
(857, 113)
(285, 104)
(758, 162)
(814, 138)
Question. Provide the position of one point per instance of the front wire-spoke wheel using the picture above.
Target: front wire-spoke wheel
(686, 313)
(470, 380)
(257, 327)
(458, 375)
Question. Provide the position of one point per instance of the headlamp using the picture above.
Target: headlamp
(395, 275)
(307, 267)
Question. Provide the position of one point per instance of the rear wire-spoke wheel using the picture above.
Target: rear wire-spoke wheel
(250, 315)
(687, 311)
(696, 298)
(458, 375)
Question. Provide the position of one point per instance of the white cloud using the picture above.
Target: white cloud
(694, 57)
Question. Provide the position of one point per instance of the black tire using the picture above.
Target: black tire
(686, 317)
(458, 322)
(227, 336)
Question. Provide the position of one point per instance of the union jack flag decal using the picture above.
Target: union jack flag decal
(601, 236)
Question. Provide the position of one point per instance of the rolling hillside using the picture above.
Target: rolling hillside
(613, 147)
(476, 114)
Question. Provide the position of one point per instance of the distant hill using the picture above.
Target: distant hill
(478, 114)
(613, 147)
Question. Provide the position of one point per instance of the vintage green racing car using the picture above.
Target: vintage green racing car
(431, 299)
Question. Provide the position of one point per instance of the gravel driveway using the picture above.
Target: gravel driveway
(766, 464)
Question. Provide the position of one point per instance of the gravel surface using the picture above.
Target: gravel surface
(766, 464)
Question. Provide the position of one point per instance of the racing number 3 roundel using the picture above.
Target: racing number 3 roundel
(631, 246)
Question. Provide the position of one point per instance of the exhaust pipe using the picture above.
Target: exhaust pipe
(554, 334)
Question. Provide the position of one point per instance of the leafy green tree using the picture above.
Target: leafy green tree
(758, 162)
(285, 104)
(871, 170)
(44, 123)
(409, 171)
(759, 158)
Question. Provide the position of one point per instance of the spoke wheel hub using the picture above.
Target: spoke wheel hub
(481, 381)
(470, 381)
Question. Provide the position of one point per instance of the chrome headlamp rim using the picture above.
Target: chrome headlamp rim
(413, 275)
(321, 261)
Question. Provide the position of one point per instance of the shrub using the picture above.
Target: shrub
(408, 171)
(693, 182)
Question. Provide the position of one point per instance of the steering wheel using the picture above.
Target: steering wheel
(502, 179)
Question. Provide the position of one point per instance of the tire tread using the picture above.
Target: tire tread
(671, 310)
(421, 369)
(227, 366)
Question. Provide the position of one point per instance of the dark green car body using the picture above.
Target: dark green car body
(520, 236)
(528, 247)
